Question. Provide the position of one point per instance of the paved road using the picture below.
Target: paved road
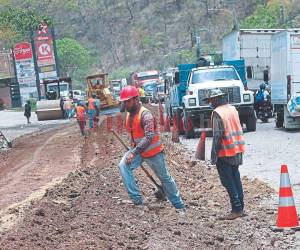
(14, 124)
(266, 150)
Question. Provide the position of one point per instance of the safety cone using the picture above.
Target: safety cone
(175, 135)
(200, 151)
(287, 217)
(167, 124)
(161, 114)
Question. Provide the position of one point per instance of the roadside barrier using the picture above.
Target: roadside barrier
(200, 151)
(287, 217)
(167, 124)
(175, 135)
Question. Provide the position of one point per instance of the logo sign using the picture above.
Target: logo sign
(42, 33)
(23, 51)
(44, 50)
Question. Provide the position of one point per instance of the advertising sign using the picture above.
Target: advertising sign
(25, 71)
(45, 52)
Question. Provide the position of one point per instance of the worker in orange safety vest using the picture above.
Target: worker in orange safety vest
(145, 146)
(92, 110)
(80, 115)
(227, 149)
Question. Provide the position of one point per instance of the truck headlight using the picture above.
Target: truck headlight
(192, 101)
(246, 97)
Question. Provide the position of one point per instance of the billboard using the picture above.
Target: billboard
(25, 71)
(44, 50)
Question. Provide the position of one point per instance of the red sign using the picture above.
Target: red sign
(23, 51)
(44, 50)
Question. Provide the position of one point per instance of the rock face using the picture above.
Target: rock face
(87, 210)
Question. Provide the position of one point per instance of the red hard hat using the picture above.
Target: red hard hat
(128, 92)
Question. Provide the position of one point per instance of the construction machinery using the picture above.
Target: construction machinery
(50, 107)
(98, 85)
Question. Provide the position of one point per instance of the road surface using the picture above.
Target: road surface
(266, 150)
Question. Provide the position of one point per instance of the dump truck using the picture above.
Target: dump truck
(193, 84)
(98, 85)
(53, 89)
(285, 75)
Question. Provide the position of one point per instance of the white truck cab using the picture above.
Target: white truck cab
(201, 80)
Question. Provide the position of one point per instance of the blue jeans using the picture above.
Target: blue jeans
(231, 180)
(159, 166)
(91, 113)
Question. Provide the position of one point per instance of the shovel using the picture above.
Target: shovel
(159, 193)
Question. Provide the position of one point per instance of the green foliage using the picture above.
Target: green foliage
(16, 23)
(264, 17)
(72, 56)
(122, 72)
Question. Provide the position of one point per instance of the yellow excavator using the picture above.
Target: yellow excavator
(49, 108)
(98, 85)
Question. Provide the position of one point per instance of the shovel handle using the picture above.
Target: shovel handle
(143, 168)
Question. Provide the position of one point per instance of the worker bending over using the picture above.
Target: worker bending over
(146, 146)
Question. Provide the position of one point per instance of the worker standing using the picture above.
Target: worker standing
(92, 106)
(146, 146)
(27, 111)
(142, 94)
(80, 115)
(227, 149)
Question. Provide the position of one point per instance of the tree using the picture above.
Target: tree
(72, 56)
(16, 24)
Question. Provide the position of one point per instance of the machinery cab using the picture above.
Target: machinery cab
(98, 85)
(56, 88)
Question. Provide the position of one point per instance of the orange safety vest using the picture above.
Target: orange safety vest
(137, 133)
(91, 102)
(232, 141)
(80, 111)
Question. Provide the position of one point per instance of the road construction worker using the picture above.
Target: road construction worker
(146, 146)
(80, 115)
(27, 111)
(92, 107)
(142, 94)
(227, 149)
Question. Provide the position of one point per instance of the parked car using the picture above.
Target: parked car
(159, 95)
(78, 95)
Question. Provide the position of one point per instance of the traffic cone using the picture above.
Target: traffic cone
(287, 217)
(200, 151)
(175, 135)
(161, 114)
(167, 124)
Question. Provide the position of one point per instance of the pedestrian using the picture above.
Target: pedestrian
(227, 149)
(27, 111)
(68, 108)
(145, 146)
(61, 104)
(80, 115)
(92, 107)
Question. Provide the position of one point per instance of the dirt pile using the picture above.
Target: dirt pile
(88, 210)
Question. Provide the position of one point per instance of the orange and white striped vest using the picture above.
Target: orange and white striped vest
(80, 111)
(137, 133)
(232, 141)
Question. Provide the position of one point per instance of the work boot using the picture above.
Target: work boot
(232, 216)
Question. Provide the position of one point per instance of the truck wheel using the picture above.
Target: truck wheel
(188, 125)
(251, 122)
(279, 120)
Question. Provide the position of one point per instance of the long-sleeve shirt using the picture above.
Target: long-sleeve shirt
(218, 132)
(148, 123)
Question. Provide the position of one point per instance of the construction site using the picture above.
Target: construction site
(61, 191)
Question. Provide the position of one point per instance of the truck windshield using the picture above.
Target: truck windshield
(147, 77)
(205, 75)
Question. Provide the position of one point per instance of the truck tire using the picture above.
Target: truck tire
(187, 125)
(279, 120)
(251, 122)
